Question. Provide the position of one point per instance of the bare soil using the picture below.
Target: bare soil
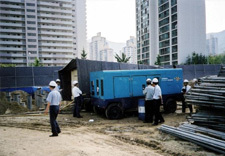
(29, 135)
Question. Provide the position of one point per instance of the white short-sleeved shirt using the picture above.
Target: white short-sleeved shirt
(187, 88)
(157, 93)
(148, 92)
(54, 97)
(76, 91)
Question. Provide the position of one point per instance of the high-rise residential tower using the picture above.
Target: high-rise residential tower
(99, 49)
(131, 50)
(212, 45)
(170, 29)
(52, 31)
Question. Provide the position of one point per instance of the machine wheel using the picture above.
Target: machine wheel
(170, 106)
(114, 111)
(96, 110)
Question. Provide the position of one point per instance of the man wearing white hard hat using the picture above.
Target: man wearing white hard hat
(195, 82)
(54, 102)
(58, 84)
(185, 89)
(148, 92)
(157, 97)
(77, 94)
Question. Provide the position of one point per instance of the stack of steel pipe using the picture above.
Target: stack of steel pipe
(222, 72)
(209, 97)
(190, 134)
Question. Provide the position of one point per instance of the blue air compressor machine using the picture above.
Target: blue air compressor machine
(117, 91)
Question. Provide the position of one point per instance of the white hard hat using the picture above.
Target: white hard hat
(155, 80)
(148, 80)
(75, 82)
(57, 80)
(53, 83)
(195, 80)
(186, 81)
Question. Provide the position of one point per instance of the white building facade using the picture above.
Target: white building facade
(52, 31)
(170, 29)
(99, 49)
(212, 45)
(130, 50)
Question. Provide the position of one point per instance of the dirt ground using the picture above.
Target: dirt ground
(29, 135)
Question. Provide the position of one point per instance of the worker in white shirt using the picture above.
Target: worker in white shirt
(148, 92)
(58, 84)
(195, 82)
(157, 98)
(185, 89)
(77, 94)
(54, 102)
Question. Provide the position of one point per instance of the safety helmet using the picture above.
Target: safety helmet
(155, 80)
(57, 80)
(75, 82)
(195, 80)
(186, 81)
(53, 84)
(148, 80)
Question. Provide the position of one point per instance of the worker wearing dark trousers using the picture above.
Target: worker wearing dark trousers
(77, 94)
(54, 102)
(157, 98)
(185, 89)
(148, 92)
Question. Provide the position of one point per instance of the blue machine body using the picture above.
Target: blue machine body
(126, 86)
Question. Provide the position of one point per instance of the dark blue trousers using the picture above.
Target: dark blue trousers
(77, 106)
(54, 111)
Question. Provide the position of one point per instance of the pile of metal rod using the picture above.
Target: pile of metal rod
(190, 133)
(222, 72)
(209, 97)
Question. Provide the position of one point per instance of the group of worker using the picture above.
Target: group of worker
(153, 100)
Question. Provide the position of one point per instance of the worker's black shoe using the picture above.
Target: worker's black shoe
(162, 121)
(53, 135)
(154, 124)
(80, 117)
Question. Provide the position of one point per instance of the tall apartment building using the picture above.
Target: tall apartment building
(172, 29)
(212, 45)
(99, 49)
(131, 50)
(52, 31)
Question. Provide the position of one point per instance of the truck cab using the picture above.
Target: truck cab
(118, 91)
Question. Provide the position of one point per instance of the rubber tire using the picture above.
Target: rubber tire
(170, 106)
(114, 111)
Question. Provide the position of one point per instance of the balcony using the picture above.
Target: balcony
(55, 22)
(12, 24)
(55, 27)
(54, 16)
(12, 36)
(12, 12)
(14, 1)
(12, 49)
(55, 39)
(12, 61)
(56, 44)
(56, 33)
(56, 50)
(56, 56)
(55, 10)
(11, 55)
(12, 18)
(12, 6)
(13, 30)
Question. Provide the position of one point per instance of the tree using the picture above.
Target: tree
(158, 62)
(123, 59)
(37, 63)
(83, 55)
(197, 59)
(7, 65)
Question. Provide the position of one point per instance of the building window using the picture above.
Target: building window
(32, 46)
(31, 22)
(31, 40)
(30, 4)
(30, 16)
(31, 28)
(30, 10)
(31, 34)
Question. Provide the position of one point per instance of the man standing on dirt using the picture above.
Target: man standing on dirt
(77, 94)
(157, 97)
(148, 92)
(185, 89)
(54, 102)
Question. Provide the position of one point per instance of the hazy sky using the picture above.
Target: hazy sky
(115, 19)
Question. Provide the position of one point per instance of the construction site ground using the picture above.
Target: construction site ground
(28, 134)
